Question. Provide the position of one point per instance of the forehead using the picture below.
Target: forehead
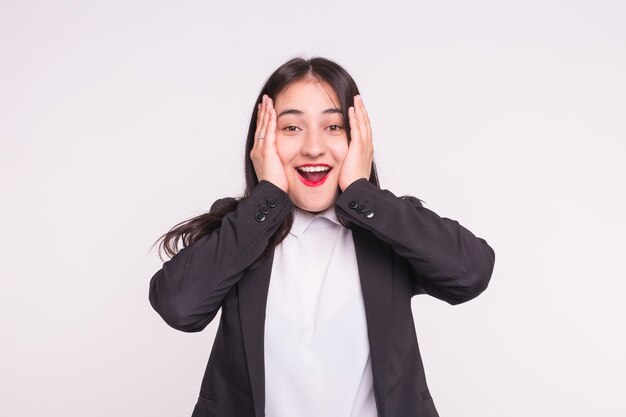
(308, 94)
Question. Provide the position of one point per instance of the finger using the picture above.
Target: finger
(261, 112)
(358, 112)
(355, 132)
(361, 118)
(366, 117)
(259, 120)
(271, 128)
(264, 121)
(258, 124)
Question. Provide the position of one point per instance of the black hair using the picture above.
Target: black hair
(296, 69)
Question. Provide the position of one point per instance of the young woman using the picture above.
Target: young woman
(315, 266)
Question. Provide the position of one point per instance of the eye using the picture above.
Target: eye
(335, 128)
(291, 128)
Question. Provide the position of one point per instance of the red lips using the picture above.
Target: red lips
(313, 178)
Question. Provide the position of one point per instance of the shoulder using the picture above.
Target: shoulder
(364, 191)
(413, 200)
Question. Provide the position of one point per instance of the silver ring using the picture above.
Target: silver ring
(260, 138)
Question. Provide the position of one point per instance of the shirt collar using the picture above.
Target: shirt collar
(302, 219)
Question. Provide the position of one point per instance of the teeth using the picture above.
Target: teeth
(314, 169)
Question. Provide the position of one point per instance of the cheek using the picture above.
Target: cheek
(339, 151)
(286, 150)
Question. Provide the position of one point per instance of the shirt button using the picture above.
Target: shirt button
(264, 209)
(368, 214)
(259, 217)
(271, 202)
(359, 209)
(352, 205)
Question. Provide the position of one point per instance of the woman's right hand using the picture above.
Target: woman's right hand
(264, 155)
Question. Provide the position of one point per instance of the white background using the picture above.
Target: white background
(119, 119)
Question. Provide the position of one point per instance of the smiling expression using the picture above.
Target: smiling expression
(311, 142)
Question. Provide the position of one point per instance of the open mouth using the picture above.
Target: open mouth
(313, 175)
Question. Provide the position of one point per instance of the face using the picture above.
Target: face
(311, 142)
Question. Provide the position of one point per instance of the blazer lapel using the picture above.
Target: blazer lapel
(252, 290)
(375, 270)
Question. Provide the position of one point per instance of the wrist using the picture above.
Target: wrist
(344, 185)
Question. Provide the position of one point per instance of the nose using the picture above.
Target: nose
(314, 144)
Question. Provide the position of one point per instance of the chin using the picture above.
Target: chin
(314, 205)
(313, 199)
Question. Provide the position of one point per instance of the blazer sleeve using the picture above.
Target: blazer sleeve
(449, 261)
(190, 287)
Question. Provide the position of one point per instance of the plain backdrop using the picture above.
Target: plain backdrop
(118, 119)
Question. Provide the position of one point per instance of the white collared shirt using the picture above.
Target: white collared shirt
(317, 356)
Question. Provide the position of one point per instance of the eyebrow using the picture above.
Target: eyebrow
(300, 112)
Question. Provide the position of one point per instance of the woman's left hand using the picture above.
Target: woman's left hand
(358, 161)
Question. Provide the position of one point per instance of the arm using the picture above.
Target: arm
(450, 262)
(189, 289)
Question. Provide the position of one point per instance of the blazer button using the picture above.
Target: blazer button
(359, 209)
(264, 209)
(352, 205)
(271, 202)
(368, 214)
(259, 217)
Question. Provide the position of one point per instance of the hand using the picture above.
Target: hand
(358, 161)
(264, 155)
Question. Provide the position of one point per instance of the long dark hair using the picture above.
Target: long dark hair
(296, 69)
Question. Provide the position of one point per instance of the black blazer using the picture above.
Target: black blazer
(402, 249)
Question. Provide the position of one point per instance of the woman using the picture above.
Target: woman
(315, 266)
